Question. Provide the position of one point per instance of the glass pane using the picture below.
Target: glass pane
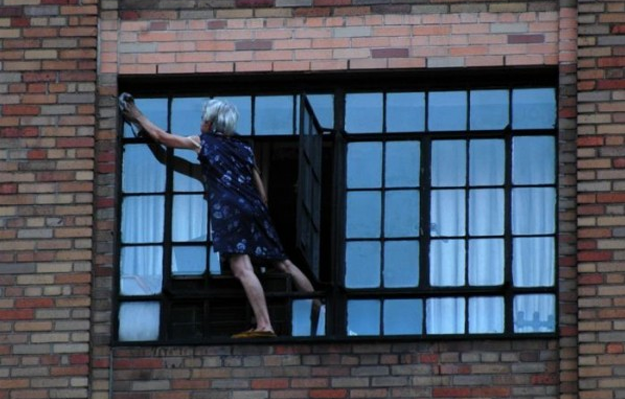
(401, 213)
(301, 325)
(405, 112)
(401, 264)
(403, 316)
(486, 212)
(533, 210)
(534, 313)
(186, 321)
(447, 111)
(362, 264)
(244, 106)
(141, 270)
(533, 263)
(214, 262)
(364, 165)
(489, 109)
(143, 219)
(533, 160)
(403, 162)
(190, 218)
(188, 261)
(486, 162)
(449, 163)
(445, 316)
(486, 315)
(533, 109)
(486, 262)
(447, 216)
(363, 113)
(183, 181)
(363, 317)
(155, 109)
(323, 107)
(186, 115)
(274, 115)
(142, 173)
(139, 321)
(363, 214)
(447, 258)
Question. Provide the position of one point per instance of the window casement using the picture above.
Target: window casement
(418, 210)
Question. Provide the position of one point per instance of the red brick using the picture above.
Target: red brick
(22, 314)
(451, 392)
(273, 383)
(328, 393)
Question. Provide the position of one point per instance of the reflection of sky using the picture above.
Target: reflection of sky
(533, 108)
(274, 115)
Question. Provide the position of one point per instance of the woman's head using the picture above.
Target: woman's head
(220, 115)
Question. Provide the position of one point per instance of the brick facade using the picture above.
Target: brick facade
(60, 61)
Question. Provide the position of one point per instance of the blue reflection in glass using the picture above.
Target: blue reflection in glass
(362, 264)
(486, 262)
(486, 212)
(449, 163)
(364, 214)
(363, 317)
(405, 112)
(183, 182)
(190, 218)
(486, 315)
(244, 106)
(533, 160)
(141, 270)
(486, 162)
(445, 316)
(323, 107)
(188, 261)
(533, 262)
(363, 113)
(534, 108)
(447, 215)
(143, 219)
(447, 259)
(274, 115)
(534, 313)
(401, 264)
(142, 173)
(139, 321)
(533, 210)
(401, 213)
(403, 316)
(155, 109)
(403, 162)
(447, 111)
(301, 325)
(186, 115)
(489, 109)
(364, 165)
(214, 261)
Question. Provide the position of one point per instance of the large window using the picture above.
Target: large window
(435, 215)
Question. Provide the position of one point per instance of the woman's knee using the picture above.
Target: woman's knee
(240, 266)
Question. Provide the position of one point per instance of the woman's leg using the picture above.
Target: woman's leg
(299, 278)
(243, 270)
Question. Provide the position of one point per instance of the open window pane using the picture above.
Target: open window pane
(364, 214)
(486, 315)
(401, 264)
(402, 164)
(449, 163)
(533, 160)
(143, 219)
(533, 210)
(403, 316)
(363, 113)
(363, 317)
(487, 162)
(447, 111)
(405, 112)
(533, 263)
(142, 172)
(362, 264)
(401, 213)
(445, 316)
(486, 262)
(139, 321)
(486, 212)
(188, 261)
(141, 270)
(190, 218)
(534, 313)
(533, 108)
(364, 165)
(447, 258)
(274, 115)
(489, 109)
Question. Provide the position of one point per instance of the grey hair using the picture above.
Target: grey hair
(222, 115)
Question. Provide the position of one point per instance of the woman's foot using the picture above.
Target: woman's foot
(254, 334)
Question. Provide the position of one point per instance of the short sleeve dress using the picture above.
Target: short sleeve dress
(240, 219)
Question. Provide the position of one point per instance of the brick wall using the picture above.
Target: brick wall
(47, 125)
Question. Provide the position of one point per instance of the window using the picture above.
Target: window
(417, 211)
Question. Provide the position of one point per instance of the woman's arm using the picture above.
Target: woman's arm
(258, 182)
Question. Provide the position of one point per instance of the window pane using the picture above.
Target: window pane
(143, 219)
(534, 313)
(403, 162)
(190, 218)
(364, 165)
(183, 181)
(188, 261)
(141, 270)
(139, 321)
(486, 162)
(142, 173)
(533, 210)
(274, 115)
(301, 325)
(533, 262)
(186, 115)
(363, 113)
(214, 262)
(154, 108)
(447, 110)
(401, 213)
(363, 317)
(533, 109)
(401, 264)
(186, 321)
(533, 160)
(403, 316)
(489, 109)
(447, 263)
(362, 264)
(323, 107)
(486, 212)
(363, 214)
(244, 106)
(445, 316)
(448, 213)
(405, 112)
(449, 163)
(486, 315)
(486, 262)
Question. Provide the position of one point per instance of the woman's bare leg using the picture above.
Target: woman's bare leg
(243, 270)
(302, 283)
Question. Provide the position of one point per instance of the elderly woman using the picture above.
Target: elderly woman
(242, 228)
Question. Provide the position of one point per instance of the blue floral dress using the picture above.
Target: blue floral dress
(240, 219)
